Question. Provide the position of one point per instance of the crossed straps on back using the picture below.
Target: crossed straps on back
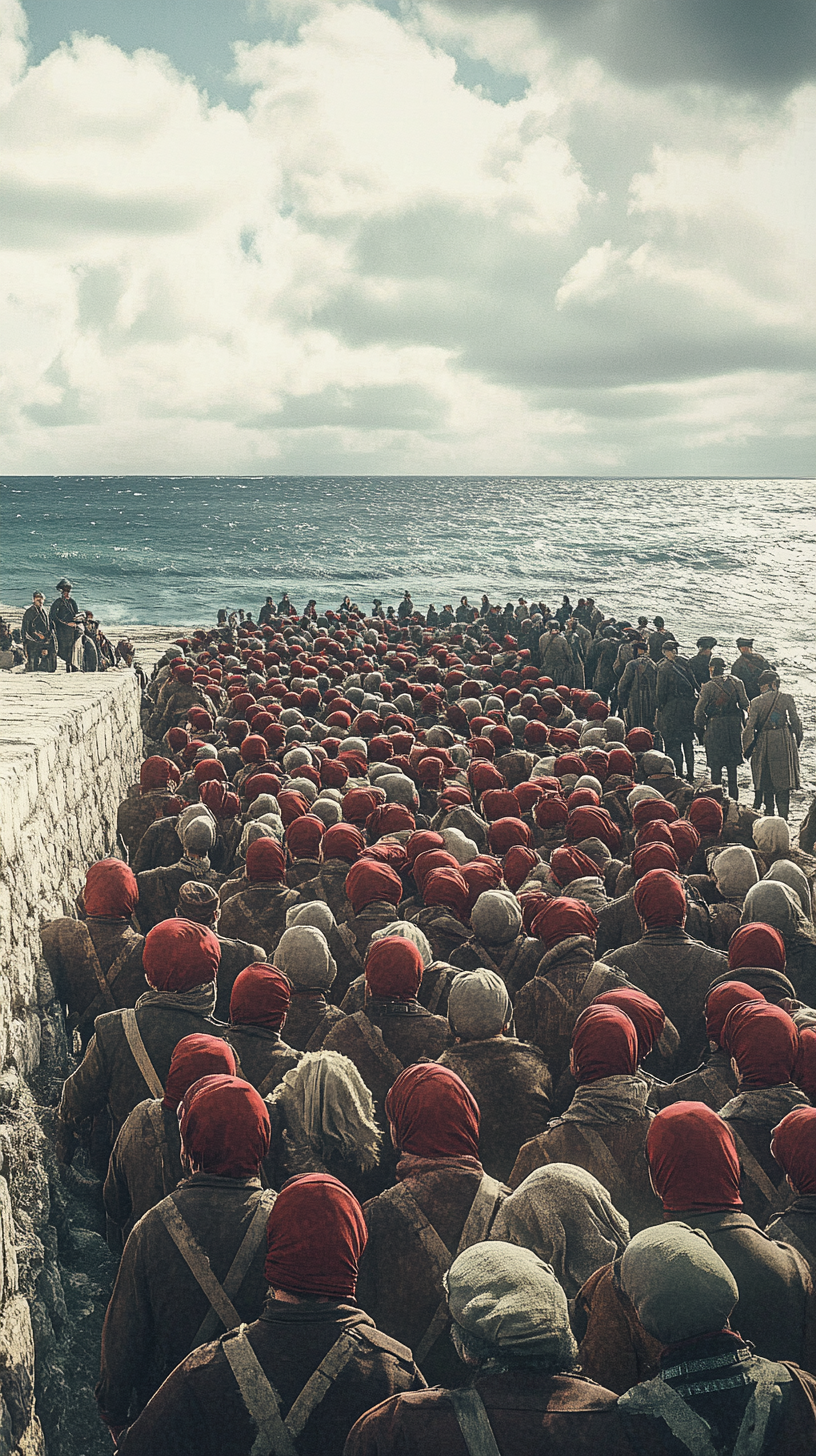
(375, 1041)
(658, 1399)
(477, 1226)
(277, 1435)
(197, 1260)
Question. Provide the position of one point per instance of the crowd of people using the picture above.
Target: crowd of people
(447, 1049)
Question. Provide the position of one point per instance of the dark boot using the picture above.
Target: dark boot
(783, 803)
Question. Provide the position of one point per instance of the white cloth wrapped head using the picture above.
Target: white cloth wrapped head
(303, 954)
(771, 835)
(678, 1283)
(496, 917)
(566, 1217)
(734, 871)
(478, 1005)
(510, 1300)
(315, 913)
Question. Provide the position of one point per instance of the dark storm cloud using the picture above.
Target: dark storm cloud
(741, 44)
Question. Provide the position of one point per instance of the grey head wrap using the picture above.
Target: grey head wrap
(772, 835)
(496, 917)
(408, 931)
(788, 873)
(509, 1297)
(198, 835)
(313, 912)
(303, 954)
(478, 1005)
(772, 903)
(328, 1112)
(734, 871)
(566, 1217)
(678, 1283)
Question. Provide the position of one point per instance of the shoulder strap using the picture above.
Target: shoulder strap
(320, 1383)
(658, 1399)
(239, 1268)
(613, 1174)
(134, 1039)
(403, 1200)
(754, 1170)
(717, 1086)
(482, 1212)
(155, 1117)
(374, 1040)
(259, 1396)
(592, 985)
(198, 1263)
(104, 997)
(474, 1422)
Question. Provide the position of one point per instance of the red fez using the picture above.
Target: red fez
(110, 890)
(178, 954)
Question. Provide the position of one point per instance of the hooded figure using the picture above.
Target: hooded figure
(443, 1201)
(667, 964)
(516, 1390)
(498, 941)
(696, 1173)
(568, 1219)
(772, 902)
(145, 1165)
(509, 1079)
(323, 1121)
(96, 963)
(684, 1295)
(259, 1004)
(303, 954)
(374, 891)
(604, 1128)
(158, 778)
(165, 1301)
(793, 1145)
(128, 1056)
(159, 888)
(714, 1081)
(258, 913)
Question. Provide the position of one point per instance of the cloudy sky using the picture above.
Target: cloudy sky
(461, 236)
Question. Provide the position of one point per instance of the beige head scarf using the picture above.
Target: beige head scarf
(566, 1217)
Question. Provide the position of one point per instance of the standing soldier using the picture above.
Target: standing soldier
(676, 693)
(38, 637)
(637, 689)
(771, 740)
(65, 619)
(718, 719)
(699, 664)
(749, 666)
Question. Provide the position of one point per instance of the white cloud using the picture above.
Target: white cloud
(375, 267)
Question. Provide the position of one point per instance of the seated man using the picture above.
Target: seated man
(254, 1390)
(511, 1329)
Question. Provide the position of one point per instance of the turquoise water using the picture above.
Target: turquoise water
(728, 556)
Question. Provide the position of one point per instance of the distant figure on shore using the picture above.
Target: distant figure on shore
(38, 636)
(69, 625)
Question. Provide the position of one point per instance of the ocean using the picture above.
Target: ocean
(729, 557)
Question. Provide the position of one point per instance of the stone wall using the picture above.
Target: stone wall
(69, 747)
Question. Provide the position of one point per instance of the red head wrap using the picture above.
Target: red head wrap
(225, 1127)
(707, 817)
(589, 823)
(639, 740)
(176, 738)
(571, 864)
(480, 874)
(223, 804)
(178, 954)
(260, 997)
(333, 775)
(447, 887)
(561, 918)
(794, 1147)
(358, 804)
(195, 1057)
(581, 798)
(721, 1000)
(499, 804)
(237, 731)
(653, 857)
(693, 1160)
(518, 863)
(190, 750)
(647, 1017)
(304, 835)
(551, 811)
(655, 831)
(110, 890)
(315, 1236)
(756, 944)
(292, 805)
(157, 773)
(763, 1041)
(527, 795)
(432, 859)
(393, 968)
(253, 749)
(265, 862)
(649, 809)
(209, 770)
(805, 1070)
(261, 783)
(367, 881)
(685, 839)
(433, 1113)
(422, 842)
(342, 841)
(389, 819)
(483, 776)
(604, 1044)
(660, 899)
(504, 833)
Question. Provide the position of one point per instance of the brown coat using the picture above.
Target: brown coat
(108, 1074)
(258, 914)
(199, 1410)
(444, 932)
(159, 845)
(371, 919)
(675, 971)
(157, 1305)
(300, 872)
(433, 992)
(400, 1284)
(236, 955)
(409, 1033)
(622, 1168)
(796, 1225)
(547, 1008)
(144, 1167)
(619, 924)
(775, 1311)
(159, 889)
(263, 1056)
(136, 813)
(77, 951)
(516, 962)
(310, 1019)
(531, 1414)
(713, 1082)
(329, 885)
(511, 1083)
